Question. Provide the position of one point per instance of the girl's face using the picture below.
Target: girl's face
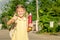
(20, 12)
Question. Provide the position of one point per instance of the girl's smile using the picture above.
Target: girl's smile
(20, 12)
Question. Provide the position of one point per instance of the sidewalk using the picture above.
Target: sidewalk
(34, 36)
(4, 35)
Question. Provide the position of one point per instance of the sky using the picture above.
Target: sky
(2, 2)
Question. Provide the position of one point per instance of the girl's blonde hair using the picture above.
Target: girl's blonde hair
(21, 6)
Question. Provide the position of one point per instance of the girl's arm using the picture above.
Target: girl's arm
(12, 20)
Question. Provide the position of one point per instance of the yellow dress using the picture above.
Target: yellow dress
(20, 32)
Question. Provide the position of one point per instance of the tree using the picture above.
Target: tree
(49, 11)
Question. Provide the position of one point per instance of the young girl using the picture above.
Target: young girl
(20, 30)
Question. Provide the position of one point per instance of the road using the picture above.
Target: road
(4, 35)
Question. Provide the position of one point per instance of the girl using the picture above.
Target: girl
(20, 30)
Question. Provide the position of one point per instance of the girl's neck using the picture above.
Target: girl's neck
(21, 16)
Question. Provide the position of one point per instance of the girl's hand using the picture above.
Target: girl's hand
(14, 18)
(31, 25)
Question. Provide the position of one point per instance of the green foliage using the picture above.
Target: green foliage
(49, 11)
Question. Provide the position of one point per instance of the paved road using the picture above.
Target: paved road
(4, 35)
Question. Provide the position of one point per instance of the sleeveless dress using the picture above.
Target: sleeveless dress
(20, 31)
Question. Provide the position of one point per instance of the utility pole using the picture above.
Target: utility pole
(37, 16)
